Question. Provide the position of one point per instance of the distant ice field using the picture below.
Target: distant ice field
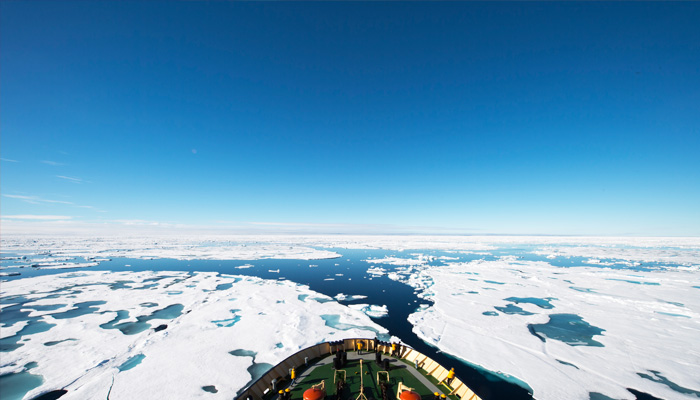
(561, 317)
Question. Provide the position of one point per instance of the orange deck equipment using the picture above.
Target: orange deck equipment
(409, 395)
(317, 394)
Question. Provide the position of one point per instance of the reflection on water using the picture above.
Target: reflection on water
(513, 310)
(225, 323)
(34, 326)
(14, 386)
(132, 362)
(256, 370)
(568, 328)
(541, 303)
(84, 308)
(658, 377)
(635, 282)
(141, 324)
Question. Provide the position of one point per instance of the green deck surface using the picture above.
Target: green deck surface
(399, 372)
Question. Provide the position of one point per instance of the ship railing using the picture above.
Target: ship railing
(260, 387)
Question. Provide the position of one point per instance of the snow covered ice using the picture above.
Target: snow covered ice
(86, 353)
(176, 247)
(373, 311)
(645, 323)
(349, 297)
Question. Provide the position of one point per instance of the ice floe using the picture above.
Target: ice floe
(135, 340)
(372, 310)
(482, 244)
(349, 297)
(566, 332)
(419, 260)
(685, 251)
(627, 255)
(176, 247)
(376, 271)
(65, 265)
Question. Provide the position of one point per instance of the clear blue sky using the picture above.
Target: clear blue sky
(555, 118)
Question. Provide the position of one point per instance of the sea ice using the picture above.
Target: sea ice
(419, 260)
(181, 351)
(628, 255)
(376, 271)
(177, 247)
(627, 317)
(647, 322)
(65, 265)
(349, 297)
(372, 310)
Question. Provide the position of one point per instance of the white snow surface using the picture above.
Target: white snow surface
(419, 260)
(638, 338)
(349, 297)
(65, 265)
(176, 247)
(376, 271)
(372, 310)
(473, 244)
(194, 349)
(626, 255)
(682, 250)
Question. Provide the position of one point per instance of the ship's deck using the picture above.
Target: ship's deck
(314, 365)
(399, 372)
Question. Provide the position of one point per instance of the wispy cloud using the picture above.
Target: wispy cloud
(35, 199)
(70, 178)
(54, 163)
(39, 200)
(7, 160)
(141, 222)
(38, 217)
